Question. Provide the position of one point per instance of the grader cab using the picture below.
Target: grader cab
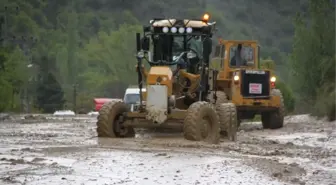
(180, 84)
(242, 81)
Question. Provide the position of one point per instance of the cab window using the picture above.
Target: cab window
(132, 98)
(218, 57)
(241, 56)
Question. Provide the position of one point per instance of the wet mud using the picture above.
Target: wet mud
(53, 150)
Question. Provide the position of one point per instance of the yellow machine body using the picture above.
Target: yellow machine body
(232, 86)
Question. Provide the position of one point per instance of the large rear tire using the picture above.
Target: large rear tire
(221, 97)
(109, 119)
(223, 112)
(202, 123)
(274, 119)
(228, 120)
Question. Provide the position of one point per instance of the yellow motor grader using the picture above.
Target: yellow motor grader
(180, 85)
(243, 82)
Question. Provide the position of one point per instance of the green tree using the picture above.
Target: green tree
(95, 38)
(312, 62)
(6, 87)
(50, 96)
(110, 60)
(13, 76)
(49, 92)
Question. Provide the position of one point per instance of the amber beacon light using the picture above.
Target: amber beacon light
(206, 17)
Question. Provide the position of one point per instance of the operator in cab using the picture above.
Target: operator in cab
(177, 50)
(238, 59)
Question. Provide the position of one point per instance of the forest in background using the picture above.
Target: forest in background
(61, 53)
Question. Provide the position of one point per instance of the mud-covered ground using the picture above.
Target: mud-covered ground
(62, 150)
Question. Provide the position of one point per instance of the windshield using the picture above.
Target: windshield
(193, 43)
(241, 56)
(132, 98)
(171, 48)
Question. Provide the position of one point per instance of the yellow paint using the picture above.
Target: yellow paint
(166, 75)
(225, 75)
(238, 100)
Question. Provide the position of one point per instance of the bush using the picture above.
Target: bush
(267, 64)
(325, 102)
(288, 96)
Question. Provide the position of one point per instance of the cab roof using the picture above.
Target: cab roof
(180, 22)
(238, 41)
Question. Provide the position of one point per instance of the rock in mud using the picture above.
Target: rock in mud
(4, 117)
(35, 117)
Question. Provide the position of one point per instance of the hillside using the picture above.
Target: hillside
(91, 43)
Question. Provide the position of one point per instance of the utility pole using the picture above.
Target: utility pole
(72, 50)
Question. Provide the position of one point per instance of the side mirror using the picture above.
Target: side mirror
(145, 44)
(138, 44)
(146, 28)
(207, 48)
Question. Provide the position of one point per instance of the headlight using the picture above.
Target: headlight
(173, 30)
(181, 30)
(191, 55)
(141, 54)
(273, 79)
(189, 30)
(236, 78)
(165, 29)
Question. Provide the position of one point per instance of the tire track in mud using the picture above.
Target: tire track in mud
(314, 163)
(287, 161)
(28, 168)
(250, 153)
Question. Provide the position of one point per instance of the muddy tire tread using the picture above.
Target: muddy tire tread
(228, 120)
(107, 114)
(221, 97)
(275, 120)
(192, 125)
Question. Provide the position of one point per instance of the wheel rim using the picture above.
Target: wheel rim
(122, 130)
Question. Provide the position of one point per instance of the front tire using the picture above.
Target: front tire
(109, 119)
(221, 97)
(202, 123)
(228, 120)
(274, 119)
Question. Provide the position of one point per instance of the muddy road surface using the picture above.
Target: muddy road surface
(65, 150)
